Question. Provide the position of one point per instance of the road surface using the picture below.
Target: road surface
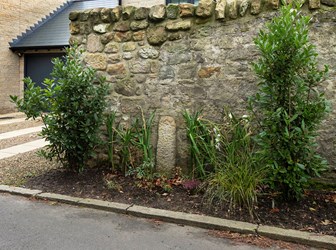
(27, 224)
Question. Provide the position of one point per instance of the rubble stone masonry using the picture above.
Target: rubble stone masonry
(142, 3)
(177, 57)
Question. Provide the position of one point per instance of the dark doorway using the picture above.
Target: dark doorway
(39, 66)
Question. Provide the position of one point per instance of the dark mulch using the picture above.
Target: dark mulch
(316, 212)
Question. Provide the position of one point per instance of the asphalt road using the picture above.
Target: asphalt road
(27, 224)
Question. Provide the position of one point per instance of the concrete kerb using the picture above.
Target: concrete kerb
(19, 191)
(90, 203)
(311, 239)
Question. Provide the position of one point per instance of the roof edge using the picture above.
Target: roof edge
(46, 47)
(38, 24)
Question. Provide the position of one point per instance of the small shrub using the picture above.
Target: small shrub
(289, 106)
(75, 101)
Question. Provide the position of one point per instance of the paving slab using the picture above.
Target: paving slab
(10, 121)
(22, 148)
(20, 132)
(11, 115)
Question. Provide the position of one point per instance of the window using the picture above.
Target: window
(182, 1)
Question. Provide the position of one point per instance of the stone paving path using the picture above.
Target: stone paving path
(22, 148)
(20, 132)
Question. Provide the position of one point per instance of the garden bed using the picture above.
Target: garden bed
(316, 212)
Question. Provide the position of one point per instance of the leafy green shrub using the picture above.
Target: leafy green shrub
(75, 101)
(288, 105)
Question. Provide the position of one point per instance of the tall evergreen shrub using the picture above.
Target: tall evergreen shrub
(289, 103)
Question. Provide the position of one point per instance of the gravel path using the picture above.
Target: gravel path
(6, 143)
(15, 170)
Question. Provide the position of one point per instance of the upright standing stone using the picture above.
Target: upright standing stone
(166, 145)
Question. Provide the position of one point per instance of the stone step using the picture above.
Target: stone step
(20, 132)
(10, 121)
(12, 115)
(22, 148)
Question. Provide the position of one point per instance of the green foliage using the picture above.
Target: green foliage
(288, 105)
(238, 173)
(143, 142)
(132, 143)
(201, 145)
(111, 136)
(125, 140)
(75, 100)
(223, 155)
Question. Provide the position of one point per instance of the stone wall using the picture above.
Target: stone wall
(15, 17)
(172, 58)
(141, 3)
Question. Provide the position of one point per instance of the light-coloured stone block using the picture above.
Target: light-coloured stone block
(220, 9)
(314, 4)
(166, 145)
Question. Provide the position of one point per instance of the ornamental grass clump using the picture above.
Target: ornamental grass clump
(202, 149)
(238, 172)
(131, 143)
(222, 155)
(289, 104)
(71, 105)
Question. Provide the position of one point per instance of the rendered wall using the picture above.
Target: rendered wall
(15, 17)
(174, 58)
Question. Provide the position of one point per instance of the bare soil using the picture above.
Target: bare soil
(316, 212)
